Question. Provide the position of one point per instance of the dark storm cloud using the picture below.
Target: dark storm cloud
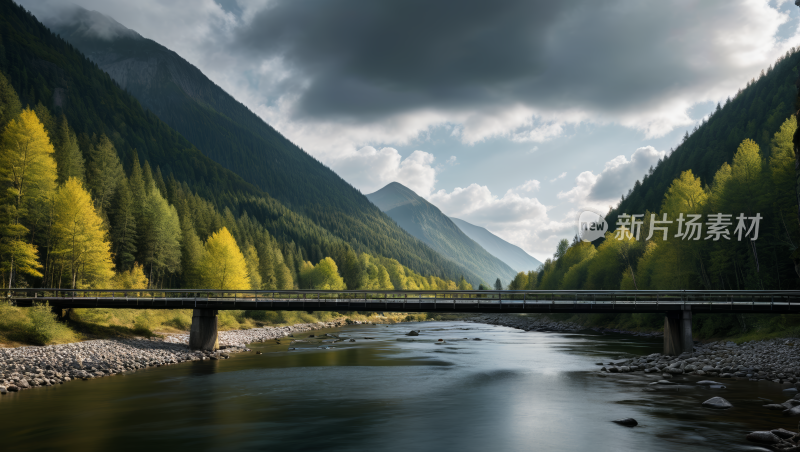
(379, 58)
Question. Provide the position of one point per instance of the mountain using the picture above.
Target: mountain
(755, 112)
(426, 222)
(316, 210)
(512, 255)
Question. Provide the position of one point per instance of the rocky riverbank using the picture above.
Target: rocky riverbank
(29, 367)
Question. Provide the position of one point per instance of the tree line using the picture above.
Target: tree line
(73, 218)
(43, 68)
(751, 186)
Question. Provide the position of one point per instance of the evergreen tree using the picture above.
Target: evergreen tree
(10, 107)
(104, 172)
(161, 240)
(69, 158)
(499, 285)
(123, 226)
(192, 255)
(253, 264)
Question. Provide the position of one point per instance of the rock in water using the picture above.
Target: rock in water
(782, 433)
(412, 333)
(708, 383)
(774, 406)
(792, 411)
(3, 390)
(627, 422)
(717, 403)
(763, 438)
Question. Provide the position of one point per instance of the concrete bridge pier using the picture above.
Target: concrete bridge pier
(678, 332)
(203, 334)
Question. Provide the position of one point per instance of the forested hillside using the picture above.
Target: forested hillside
(71, 93)
(230, 134)
(426, 222)
(755, 113)
(737, 230)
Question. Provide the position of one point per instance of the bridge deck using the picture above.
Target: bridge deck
(422, 301)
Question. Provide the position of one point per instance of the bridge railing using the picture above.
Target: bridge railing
(560, 297)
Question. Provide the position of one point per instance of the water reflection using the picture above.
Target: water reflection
(511, 390)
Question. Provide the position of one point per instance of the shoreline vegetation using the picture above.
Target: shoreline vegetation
(26, 367)
(38, 325)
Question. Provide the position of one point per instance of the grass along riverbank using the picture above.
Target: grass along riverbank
(38, 325)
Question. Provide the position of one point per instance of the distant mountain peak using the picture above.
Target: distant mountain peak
(394, 195)
(84, 23)
(426, 222)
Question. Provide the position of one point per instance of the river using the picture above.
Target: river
(510, 391)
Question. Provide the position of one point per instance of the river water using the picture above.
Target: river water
(510, 391)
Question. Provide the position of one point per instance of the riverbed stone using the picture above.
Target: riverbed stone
(782, 433)
(627, 422)
(717, 403)
(763, 437)
(412, 333)
(794, 411)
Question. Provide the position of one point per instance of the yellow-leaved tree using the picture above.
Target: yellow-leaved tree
(80, 247)
(131, 279)
(28, 170)
(323, 276)
(223, 266)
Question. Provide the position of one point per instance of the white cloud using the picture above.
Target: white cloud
(370, 169)
(452, 160)
(560, 176)
(515, 217)
(602, 191)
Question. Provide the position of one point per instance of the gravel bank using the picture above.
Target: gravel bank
(29, 367)
(776, 360)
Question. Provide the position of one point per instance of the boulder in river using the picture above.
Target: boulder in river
(352, 340)
(774, 406)
(795, 411)
(717, 403)
(708, 383)
(412, 333)
(763, 437)
(627, 422)
(12, 388)
(782, 433)
(3, 390)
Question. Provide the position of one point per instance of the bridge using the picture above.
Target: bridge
(677, 305)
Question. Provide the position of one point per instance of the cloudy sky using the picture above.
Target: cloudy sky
(510, 114)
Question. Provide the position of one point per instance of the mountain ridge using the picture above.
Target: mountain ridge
(43, 67)
(426, 222)
(514, 256)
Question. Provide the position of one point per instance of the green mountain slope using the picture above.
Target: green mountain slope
(426, 222)
(44, 68)
(512, 255)
(756, 112)
(230, 134)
